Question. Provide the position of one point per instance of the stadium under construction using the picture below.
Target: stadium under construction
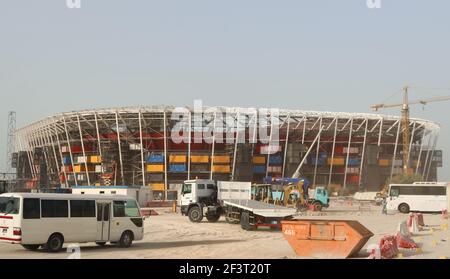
(135, 147)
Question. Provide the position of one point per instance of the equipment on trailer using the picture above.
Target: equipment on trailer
(296, 193)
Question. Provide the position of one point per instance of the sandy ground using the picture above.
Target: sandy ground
(170, 235)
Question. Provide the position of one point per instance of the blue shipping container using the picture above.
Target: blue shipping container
(275, 160)
(259, 169)
(177, 168)
(354, 162)
(67, 161)
(320, 161)
(155, 158)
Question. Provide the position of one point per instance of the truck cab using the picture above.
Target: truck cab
(199, 199)
(318, 197)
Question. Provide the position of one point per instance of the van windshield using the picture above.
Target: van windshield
(9, 205)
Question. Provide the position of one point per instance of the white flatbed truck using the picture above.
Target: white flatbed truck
(211, 199)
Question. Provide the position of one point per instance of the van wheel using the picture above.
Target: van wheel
(31, 247)
(245, 221)
(100, 243)
(55, 243)
(126, 239)
(195, 214)
(403, 208)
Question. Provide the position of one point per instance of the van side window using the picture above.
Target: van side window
(211, 187)
(31, 209)
(126, 209)
(82, 208)
(54, 209)
(201, 186)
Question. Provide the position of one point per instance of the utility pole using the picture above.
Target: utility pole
(406, 131)
(11, 143)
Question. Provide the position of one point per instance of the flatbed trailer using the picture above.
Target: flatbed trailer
(252, 214)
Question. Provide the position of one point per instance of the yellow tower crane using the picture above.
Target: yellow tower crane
(405, 119)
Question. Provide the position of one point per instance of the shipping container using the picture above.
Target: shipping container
(82, 168)
(275, 160)
(67, 161)
(155, 158)
(221, 168)
(336, 161)
(319, 162)
(259, 169)
(199, 167)
(353, 179)
(156, 177)
(221, 159)
(354, 161)
(177, 168)
(197, 159)
(135, 146)
(95, 159)
(384, 162)
(259, 160)
(155, 168)
(275, 169)
(177, 158)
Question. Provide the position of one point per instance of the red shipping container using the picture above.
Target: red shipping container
(353, 179)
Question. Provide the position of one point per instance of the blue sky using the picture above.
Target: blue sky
(313, 55)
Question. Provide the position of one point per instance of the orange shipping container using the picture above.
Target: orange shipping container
(221, 159)
(199, 159)
(177, 158)
(221, 169)
(336, 161)
(384, 162)
(155, 168)
(259, 160)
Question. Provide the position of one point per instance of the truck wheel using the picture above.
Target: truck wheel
(317, 206)
(213, 217)
(403, 208)
(195, 214)
(245, 221)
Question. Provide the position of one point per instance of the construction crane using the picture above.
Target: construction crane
(406, 120)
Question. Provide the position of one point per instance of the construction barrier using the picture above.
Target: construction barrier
(388, 248)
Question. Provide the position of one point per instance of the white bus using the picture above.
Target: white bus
(419, 197)
(50, 220)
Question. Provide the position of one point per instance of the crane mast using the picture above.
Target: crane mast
(406, 131)
(406, 120)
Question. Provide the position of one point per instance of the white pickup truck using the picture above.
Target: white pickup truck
(210, 199)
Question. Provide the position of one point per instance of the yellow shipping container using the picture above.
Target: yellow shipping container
(221, 168)
(336, 161)
(157, 186)
(221, 159)
(200, 159)
(95, 159)
(155, 168)
(82, 168)
(177, 158)
(384, 162)
(259, 160)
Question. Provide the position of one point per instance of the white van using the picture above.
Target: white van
(419, 196)
(50, 220)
